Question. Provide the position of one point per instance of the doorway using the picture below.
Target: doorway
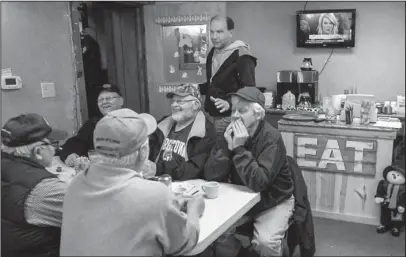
(113, 51)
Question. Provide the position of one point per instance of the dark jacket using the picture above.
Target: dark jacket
(18, 238)
(261, 165)
(236, 72)
(82, 142)
(199, 143)
(301, 232)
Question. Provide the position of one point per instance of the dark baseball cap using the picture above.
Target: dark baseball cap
(185, 90)
(110, 88)
(251, 94)
(29, 128)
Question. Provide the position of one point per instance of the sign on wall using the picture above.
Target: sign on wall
(336, 154)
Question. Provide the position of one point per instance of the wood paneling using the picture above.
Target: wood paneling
(339, 195)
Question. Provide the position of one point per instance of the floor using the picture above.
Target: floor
(338, 238)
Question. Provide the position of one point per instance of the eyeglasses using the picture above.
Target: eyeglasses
(108, 99)
(180, 102)
(54, 143)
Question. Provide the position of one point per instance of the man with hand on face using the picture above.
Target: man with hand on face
(255, 156)
(109, 99)
(229, 67)
(183, 141)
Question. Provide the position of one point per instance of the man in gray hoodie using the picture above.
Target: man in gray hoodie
(229, 67)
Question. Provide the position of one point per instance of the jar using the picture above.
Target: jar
(288, 100)
(387, 109)
(166, 179)
(393, 105)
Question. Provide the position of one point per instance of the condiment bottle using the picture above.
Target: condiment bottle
(373, 116)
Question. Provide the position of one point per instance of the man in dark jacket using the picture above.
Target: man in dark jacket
(229, 67)
(31, 197)
(255, 156)
(109, 99)
(182, 142)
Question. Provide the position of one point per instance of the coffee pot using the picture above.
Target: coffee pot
(304, 100)
(307, 64)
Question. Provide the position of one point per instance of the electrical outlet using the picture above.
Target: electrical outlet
(48, 90)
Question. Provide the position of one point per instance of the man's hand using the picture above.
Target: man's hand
(196, 205)
(228, 137)
(240, 134)
(401, 209)
(70, 160)
(378, 200)
(221, 105)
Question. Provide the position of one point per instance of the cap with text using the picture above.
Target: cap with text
(121, 132)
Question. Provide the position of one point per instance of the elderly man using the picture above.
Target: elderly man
(255, 156)
(32, 197)
(109, 99)
(110, 210)
(183, 141)
(229, 67)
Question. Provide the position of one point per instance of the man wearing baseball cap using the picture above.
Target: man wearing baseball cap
(258, 161)
(109, 99)
(32, 197)
(110, 210)
(183, 141)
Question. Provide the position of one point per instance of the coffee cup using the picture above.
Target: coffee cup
(211, 189)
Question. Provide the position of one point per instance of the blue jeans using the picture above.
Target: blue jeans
(270, 227)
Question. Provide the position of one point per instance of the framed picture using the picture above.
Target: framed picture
(190, 34)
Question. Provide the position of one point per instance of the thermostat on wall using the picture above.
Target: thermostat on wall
(10, 82)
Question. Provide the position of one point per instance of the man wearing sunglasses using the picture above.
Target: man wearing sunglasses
(109, 99)
(182, 142)
(32, 197)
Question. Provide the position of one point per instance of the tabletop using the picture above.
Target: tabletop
(222, 212)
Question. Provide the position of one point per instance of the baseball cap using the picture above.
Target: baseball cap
(121, 132)
(29, 128)
(251, 94)
(110, 88)
(185, 90)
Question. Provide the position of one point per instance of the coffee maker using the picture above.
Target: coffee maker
(298, 82)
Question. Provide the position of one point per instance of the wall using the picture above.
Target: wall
(159, 106)
(376, 65)
(36, 44)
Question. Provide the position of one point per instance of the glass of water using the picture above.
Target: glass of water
(91, 154)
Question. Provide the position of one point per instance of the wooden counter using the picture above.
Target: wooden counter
(342, 165)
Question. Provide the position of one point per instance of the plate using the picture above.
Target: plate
(298, 117)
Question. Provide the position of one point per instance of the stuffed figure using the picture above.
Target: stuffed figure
(390, 194)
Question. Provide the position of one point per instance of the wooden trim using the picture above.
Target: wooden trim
(197, 19)
(80, 87)
(142, 60)
(346, 217)
(352, 173)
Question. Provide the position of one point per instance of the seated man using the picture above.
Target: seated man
(109, 99)
(183, 141)
(255, 157)
(32, 197)
(109, 210)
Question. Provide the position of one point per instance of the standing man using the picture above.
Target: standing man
(229, 67)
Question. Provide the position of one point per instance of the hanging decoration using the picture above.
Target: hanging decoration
(199, 71)
(171, 69)
(184, 75)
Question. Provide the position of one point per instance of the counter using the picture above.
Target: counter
(342, 165)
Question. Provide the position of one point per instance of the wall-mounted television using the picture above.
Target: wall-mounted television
(325, 28)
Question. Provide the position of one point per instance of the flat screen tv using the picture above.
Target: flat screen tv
(325, 28)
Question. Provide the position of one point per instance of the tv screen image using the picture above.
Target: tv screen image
(326, 28)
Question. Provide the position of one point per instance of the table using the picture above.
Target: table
(221, 213)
